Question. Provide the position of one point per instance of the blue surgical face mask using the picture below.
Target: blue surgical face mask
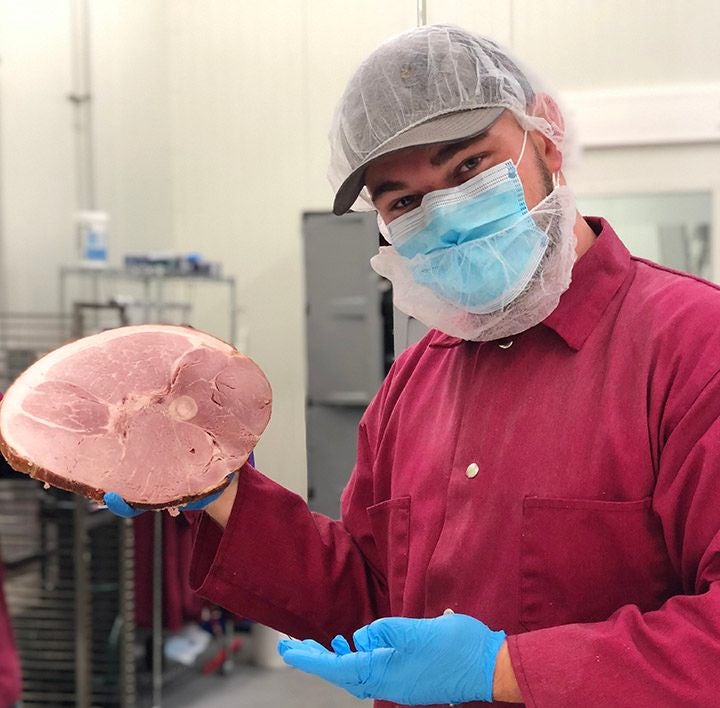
(476, 245)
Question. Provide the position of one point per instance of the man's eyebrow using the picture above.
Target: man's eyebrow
(449, 151)
(445, 154)
(387, 187)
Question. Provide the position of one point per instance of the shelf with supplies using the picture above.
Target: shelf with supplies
(145, 295)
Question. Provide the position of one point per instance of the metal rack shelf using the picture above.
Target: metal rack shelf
(157, 299)
(159, 296)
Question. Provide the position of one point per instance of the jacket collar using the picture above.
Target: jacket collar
(596, 278)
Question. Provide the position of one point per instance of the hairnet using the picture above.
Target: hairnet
(426, 86)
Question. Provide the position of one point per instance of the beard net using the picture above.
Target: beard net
(555, 215)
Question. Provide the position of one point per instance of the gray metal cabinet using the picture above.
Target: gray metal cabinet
(349, 344)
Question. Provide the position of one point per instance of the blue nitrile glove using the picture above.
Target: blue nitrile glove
(448, 659)
(120, 507)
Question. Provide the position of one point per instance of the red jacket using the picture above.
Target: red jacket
(9, 665)
(564, 488)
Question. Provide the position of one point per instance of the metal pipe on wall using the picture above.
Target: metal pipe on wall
(81, 98)
(421, 12)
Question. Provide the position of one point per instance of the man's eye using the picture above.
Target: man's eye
(403, 203)
(470, 164)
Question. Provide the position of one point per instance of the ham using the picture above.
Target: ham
(160, 414)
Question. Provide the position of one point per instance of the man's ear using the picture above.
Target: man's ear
(543, 106)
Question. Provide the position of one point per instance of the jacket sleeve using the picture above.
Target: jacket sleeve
(669, 656)
(282, 565)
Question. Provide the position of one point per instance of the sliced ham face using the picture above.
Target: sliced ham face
(159, 414)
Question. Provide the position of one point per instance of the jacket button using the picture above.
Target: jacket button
(449, 611)
(505, 343)
(472, 470)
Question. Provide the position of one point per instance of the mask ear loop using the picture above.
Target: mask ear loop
(522, 149)
(555, 175)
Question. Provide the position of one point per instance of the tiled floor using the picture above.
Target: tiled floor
(251, 687)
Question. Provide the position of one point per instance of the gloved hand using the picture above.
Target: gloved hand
(448, 659)
(120, 507)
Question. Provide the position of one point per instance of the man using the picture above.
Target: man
(532, 515)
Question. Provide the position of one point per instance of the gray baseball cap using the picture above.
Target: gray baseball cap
(433, 84)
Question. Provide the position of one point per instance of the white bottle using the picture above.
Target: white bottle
(92, 227)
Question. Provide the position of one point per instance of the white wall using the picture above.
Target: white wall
(36, 151)
(131, 118)
(38, 195)
(584, 44)
(211, 119)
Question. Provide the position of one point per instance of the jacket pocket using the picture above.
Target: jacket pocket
(580, 560)
(390, 525)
